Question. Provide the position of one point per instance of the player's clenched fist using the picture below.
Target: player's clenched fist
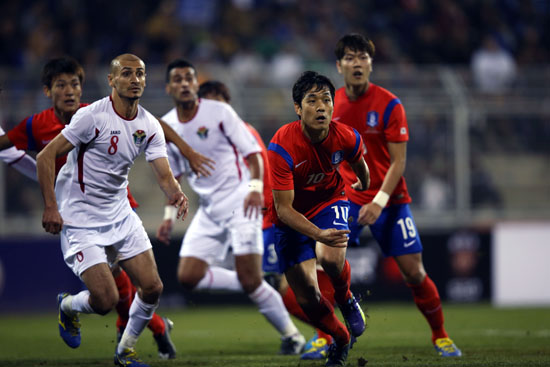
(52, 221)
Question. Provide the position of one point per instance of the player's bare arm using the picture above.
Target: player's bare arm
(5, 142)
(254, 201)
(45, 166)
(369, 213)
(170, 186)
(200, 164)
(332, 237)
(363, 176)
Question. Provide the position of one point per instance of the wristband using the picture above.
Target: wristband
(170, 212)
(381, 199)
(256, 185)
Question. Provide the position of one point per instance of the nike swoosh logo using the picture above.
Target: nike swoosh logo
(338, 223)
(336, 118)
(409, 244)
(299, 164)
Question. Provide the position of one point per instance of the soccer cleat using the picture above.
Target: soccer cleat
(293, 345)
(318, 349)
(69, 326)
(446, 348)
(310, 342)
(354, 316)
(128, 358)
(337, 356)
(167, 349)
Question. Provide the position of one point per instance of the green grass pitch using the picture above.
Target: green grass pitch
(397, 335)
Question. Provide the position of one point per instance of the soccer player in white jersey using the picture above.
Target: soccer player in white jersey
(231, 200)
(90, 209)
(19, 160)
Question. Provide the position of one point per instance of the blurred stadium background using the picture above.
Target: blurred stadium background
(473, 76)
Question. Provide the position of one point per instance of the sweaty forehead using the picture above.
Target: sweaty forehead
(317, 91)
(129, 64)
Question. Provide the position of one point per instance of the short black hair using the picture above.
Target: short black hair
(178, 63)
(354, 42)
(61, 65)
(216, 87)
(306, 81)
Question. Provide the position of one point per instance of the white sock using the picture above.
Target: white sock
(217, 278)
(140, 315)
(271, 305)
(80, 302)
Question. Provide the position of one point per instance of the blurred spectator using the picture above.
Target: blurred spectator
(493, 67)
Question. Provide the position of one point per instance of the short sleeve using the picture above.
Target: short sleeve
(280, 161)
(156, 143)
(395, 121)
(82, 128)
(235, 129)
(19, 135)
(356, 142)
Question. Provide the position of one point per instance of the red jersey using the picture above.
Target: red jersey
(311, 170)
(36, 131)
(268, 194)
(379, 117)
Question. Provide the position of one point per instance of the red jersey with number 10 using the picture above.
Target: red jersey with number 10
(311, 170)
(379, 117)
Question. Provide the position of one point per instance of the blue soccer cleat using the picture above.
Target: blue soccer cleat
(69, 326)
(128, 358)
(446, 348)
(310, 342)
(354, 316)
(318, 349)
(337, 356)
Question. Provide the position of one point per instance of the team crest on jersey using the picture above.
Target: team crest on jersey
(337, 156)
(372, 118)
(202, 132)
(139, 137)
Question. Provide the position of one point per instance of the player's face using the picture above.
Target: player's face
(316, 108)
(355, 66)
(65, 93)
(129, 79)
(183, 85)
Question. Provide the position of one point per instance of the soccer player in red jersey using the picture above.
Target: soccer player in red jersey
(311, 209)
(62, 80)
(379, 117)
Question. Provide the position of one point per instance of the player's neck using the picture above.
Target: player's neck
(64, 117)
(314, 135)
(187, 110)
(354, 92)
(125, 107)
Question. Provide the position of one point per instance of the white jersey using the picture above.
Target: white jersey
(91, 186)
(217, 132)
(11, 154)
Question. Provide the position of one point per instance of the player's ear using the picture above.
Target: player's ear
(297, 109)
(47, 91)
(110, 79)
(338, 67)
(167, 89)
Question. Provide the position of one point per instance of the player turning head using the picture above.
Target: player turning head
(311, 209)
(379, 117)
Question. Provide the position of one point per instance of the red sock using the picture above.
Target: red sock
(292, 306)
(156, 325)
(325, 286)
(427, 300)
(125, 297)
(322, 316)
(341, 285)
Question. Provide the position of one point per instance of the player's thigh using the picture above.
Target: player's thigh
(411, 267)
(396, 232)
(143, 271)
(292, 248)
(101, 285)
(191, 270)
(205, 239)
(331, 259)
(302, 278)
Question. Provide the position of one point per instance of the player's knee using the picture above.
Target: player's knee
(308, 297)
(188, 280)
(250, 282)
(104, 303)
(414, 276)
(151, 293)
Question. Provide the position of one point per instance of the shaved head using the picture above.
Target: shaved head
(117, 61)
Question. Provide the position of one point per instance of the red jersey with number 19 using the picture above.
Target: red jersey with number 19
(379, 117)
(311, 170)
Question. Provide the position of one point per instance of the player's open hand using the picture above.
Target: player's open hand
(164, 231)
(369, 213)
(52, 221)
(200, 164)
(180, 201)
(334, 237)
(358, 186)
(253, 204)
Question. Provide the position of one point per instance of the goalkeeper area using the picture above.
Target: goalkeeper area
(396, 335)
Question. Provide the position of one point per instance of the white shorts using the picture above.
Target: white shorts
(209, 240)
(85, 247)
